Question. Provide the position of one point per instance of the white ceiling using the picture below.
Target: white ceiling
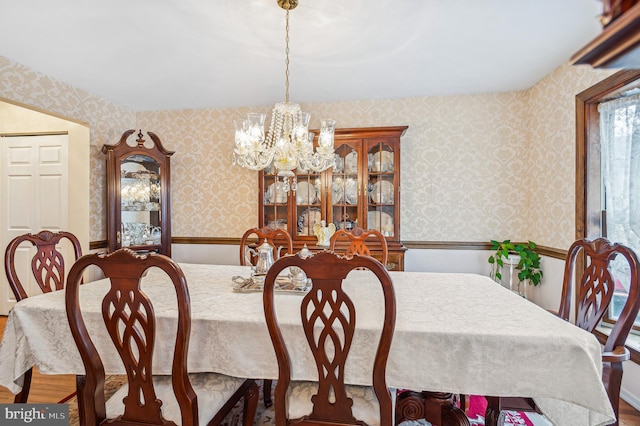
(178, 54)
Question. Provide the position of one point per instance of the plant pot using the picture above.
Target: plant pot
(512, 261)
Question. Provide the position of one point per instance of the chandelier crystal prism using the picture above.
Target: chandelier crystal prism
(288, 144)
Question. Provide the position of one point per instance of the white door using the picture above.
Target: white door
(34, 197)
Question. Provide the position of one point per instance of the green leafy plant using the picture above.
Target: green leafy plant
(528, 267)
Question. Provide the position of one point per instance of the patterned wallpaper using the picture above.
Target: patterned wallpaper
(551, 169)
(474, 167)
(453, 154)
(107, 121)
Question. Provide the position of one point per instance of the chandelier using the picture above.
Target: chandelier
(288, 144)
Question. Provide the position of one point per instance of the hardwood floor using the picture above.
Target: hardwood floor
(44, 388)
(629, 416)
(53, 388)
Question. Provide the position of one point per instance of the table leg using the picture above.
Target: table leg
(437, 408)
(251, 397)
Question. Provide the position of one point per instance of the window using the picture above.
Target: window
(607, 198)
(620, 184)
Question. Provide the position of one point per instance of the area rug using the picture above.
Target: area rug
(478, 406)
(264, 416)
(113, 383)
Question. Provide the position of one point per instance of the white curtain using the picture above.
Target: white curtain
(620, 168)
(620, 144)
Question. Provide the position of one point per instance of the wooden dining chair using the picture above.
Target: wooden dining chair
(328, 319)
(278, 238)
(595, 289)
(48, 269)
(179, 398)
(356, 241)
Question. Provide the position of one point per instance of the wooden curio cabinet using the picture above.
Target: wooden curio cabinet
(363, 189)
(138, 202)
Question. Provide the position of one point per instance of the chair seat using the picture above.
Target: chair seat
(365, 404)
(213, 391)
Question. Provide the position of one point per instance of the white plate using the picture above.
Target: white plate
(339, 164)
(310, 217)
(351, 191)
(278, 224)
(336, 192)
(379, 220)
(132, 167)
(351, 162)
(382, 192)
(306, 193)
(281, 196)
(382, 162)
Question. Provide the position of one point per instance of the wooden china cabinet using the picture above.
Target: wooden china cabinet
(618, 45)
(363, 189)
(138, 203)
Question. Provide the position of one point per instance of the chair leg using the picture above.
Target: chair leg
(612, 378)
(266, 392)
(495, 405)
(492, 413)
(464, 402)
(22, 397)
(84, 394)
(251, 397)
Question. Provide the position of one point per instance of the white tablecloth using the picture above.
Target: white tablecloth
(460, 333)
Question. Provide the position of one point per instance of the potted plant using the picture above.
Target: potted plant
(523, 256)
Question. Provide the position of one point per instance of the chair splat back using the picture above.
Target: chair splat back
(47, 264)
(357, 240)
(328, 318)
(129, 318)
(597, 287)
(48, 269)
(278, 238)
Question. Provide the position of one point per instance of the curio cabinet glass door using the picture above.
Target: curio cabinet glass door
(138, 204)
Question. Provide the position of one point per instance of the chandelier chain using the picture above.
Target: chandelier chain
(286, 39)
(288, 145)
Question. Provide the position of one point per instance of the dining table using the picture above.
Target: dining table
(455, 333)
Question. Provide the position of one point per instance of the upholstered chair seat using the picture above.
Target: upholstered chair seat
(365, 405)
(212, 390)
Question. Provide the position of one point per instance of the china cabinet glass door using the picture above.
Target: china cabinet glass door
(382, 188)
(275, 202)
(308, 203)
(140, 201)
(345, 188)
